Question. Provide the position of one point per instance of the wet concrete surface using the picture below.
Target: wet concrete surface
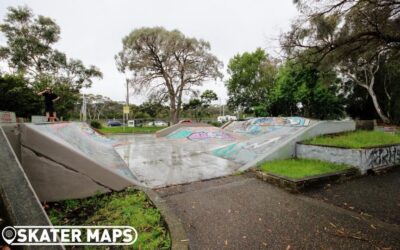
(373, 195)
(160, 162)
(242, 212)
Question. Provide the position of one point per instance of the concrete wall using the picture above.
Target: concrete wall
(287, 145)
(363, 159)
(14, 137)
(53, 182)
(17, 197)
(68, 156)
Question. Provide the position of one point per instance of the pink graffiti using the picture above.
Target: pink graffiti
(209, 135)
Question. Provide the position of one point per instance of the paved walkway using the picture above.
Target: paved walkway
(242, 212)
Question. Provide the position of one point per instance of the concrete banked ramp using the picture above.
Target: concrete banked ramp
(70, 160)
(188, 152)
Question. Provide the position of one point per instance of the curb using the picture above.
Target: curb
(179, 238)
(295, 185)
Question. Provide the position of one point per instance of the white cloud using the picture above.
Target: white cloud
(91, 30)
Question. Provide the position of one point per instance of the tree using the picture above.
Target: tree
(303, 89)
(208, 96)
(352, 36)
(198, 107)
(167, 62)
(29, 52)
(251, 77)
(16, 96)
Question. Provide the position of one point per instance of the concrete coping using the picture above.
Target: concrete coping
(333, 146)
(297, 184)
(179, 238)
(313, 177)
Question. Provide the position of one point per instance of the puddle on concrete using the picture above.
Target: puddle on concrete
(159, 162)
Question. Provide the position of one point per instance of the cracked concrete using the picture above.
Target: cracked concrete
(54, 182)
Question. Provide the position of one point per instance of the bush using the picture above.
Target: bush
(95, 124)
(216, 124)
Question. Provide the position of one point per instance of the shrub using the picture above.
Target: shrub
(95, 124)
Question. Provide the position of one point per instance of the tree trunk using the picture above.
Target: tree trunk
(173, 111)
(378, 109)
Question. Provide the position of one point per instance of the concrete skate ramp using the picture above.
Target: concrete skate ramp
(263, 125)
(70, 160)
(192, 153)
(275, 140)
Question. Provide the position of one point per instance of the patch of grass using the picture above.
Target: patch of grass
(300, 168)
(129, 130)
(356, 139)
(126, 208)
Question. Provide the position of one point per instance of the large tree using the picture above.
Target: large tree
(252, 75)
(304, 89)
(29, 51)
(354, 37)
(167, 62)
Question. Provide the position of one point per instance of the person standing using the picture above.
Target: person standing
(49, 99)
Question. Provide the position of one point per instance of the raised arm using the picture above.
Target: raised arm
(42, 92)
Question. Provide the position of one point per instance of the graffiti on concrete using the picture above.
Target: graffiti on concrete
(263, 125)
(84, 139)
(180, 134)
(380, 157)
(209, 135)
(201, 134)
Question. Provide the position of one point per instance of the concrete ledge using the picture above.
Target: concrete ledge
(364, 158)
(179, 239)
(296, 185)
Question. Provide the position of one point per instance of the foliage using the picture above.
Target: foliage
(355, 37)
(252, 76)
(154, 108)
(357, 139)
(303, 89)
(17, 96)
(208, 96)
(129, 207)
(300, 168)
(199, 107)
(167, 63)
(95, 124)
(30, 52)
(215, 123)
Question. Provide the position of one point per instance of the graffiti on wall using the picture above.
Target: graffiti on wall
(84, 139)
(201, 134)
(382, 157)
(263, 125)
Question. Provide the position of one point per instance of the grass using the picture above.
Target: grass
(300, 168)
(129, 130)
(125, 208)
(356, 139)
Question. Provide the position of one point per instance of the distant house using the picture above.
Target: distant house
(226, 118)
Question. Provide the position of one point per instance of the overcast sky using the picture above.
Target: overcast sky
(91, 30)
